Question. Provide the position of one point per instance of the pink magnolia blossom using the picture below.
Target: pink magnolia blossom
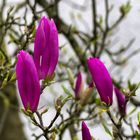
(28, 81)
(46, 49)
(102, 79)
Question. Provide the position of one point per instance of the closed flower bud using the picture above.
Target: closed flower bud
(102, 79)
(28, 81)
(121, 101)
(85, 132)
(78, 86)
(46, 48)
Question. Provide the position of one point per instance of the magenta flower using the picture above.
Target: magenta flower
(28, 81)
(78, 86)
(85, 132)
(121, 101)
(102, 79)
(46, 48)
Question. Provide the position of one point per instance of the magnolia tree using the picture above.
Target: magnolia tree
(30, 71)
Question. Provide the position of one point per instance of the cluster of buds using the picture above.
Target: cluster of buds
(104, 86)
(29, 71)
(103, 82)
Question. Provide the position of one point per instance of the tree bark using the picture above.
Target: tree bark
(11, 127)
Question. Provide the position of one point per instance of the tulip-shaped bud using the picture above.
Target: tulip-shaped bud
(78, 86)
(46, 48)
(102, 79)
(121, 101)
(85, 132)
(28, 81)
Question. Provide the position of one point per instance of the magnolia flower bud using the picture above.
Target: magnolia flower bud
(102, 79)
(46, 48)
(78, 86)
(85, 132)
(121, 101)
(28, 81)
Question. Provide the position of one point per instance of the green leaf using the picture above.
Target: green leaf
(132, 111)
(66, 91)
(98, 101)
(33, 30)
(139, 117)
(132, 88)
(106, 129)
(10, 77)
(2, 58)
(27, 112)
(48, 80)
(137, 135)
(13, 77)
(67, 99)
(125, 8)
(5, 81)
(59, 103)
(71, 77)
(53, 136)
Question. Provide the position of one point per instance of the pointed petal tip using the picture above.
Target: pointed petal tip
(84, 124)
(78, 85)
(85, 132)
